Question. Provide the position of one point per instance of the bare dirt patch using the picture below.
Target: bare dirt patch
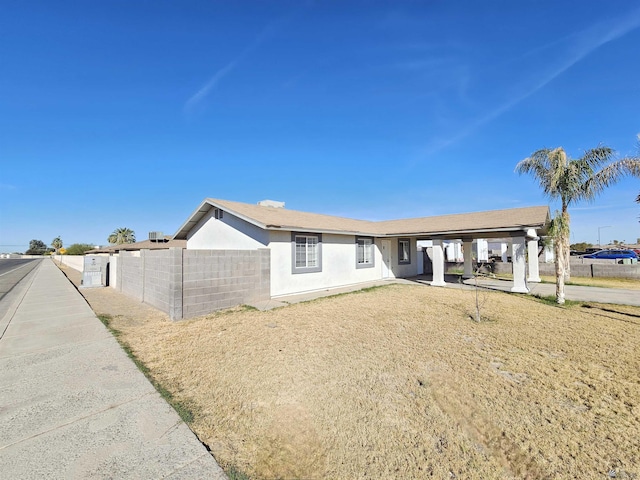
(398, 382)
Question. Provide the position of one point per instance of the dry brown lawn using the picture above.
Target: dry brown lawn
(398, 382)
(624, 283)
(605, 282)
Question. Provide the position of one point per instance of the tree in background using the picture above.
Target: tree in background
(571, 181)
(122, 235)
(78, 249)
(580, 246)
(36, 247)
(56, 243)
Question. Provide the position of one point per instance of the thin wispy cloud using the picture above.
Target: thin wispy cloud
(618, 206)
(204, 91)
(576, 47)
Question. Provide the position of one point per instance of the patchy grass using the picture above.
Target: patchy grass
(398, 383)
(186, 414)
(605, 282)
(552, 301)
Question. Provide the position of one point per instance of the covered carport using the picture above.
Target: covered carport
(522, 226)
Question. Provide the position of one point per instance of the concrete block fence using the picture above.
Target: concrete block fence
(598, 268)
(187, 283)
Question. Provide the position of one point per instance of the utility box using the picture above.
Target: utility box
(95, 271)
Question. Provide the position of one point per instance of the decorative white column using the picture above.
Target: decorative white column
(532, 256)
(548, 253)
(483, 250)
(467, 251)
(504, 252)
(519, 265)
(438, 264)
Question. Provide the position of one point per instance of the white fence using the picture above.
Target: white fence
(74, 261)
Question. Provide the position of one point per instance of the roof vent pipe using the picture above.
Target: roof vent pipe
(271, 203)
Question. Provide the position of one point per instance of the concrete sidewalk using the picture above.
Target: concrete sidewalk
(73, 405)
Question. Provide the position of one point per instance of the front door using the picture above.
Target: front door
(386, 258)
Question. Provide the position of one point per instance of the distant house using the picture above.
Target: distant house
(160, 244)
(310, 251)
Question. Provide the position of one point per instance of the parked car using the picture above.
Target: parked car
(612, 254)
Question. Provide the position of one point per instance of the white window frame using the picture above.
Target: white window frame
(365, 250)
(402, 259)
(312, 252)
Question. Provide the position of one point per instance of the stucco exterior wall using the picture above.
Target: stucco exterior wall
(338, 264)
(338, 255)
(404, 270)
(113, 270)
(229, 232)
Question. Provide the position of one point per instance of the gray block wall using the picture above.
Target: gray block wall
(187, 283)
(156, 290)
(217, 279)
(130, 275)
(599, 268)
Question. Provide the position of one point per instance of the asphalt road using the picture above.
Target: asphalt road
(13, 270)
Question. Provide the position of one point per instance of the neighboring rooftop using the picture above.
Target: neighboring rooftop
(145, 244)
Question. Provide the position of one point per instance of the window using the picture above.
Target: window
(306, 252)
(364, 252)
(218, 214)
(404, 251)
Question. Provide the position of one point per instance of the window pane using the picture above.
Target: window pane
(301, 252)
(307, 251)
(312, 251)
(404, 251)
(368, 251)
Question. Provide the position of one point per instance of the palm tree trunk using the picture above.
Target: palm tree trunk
(567, 245)
(560, 264)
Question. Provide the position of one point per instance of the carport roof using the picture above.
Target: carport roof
(487, 224)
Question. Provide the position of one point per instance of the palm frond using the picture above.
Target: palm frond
(596, 157)
(610, 175)
(559, 226)
(540, 164)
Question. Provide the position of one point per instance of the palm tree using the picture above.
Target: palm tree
(122, 235)
(57, 244)
(571, 181)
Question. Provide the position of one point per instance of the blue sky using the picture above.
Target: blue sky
(128, 114)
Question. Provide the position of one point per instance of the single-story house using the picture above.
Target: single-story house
(310, 251)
